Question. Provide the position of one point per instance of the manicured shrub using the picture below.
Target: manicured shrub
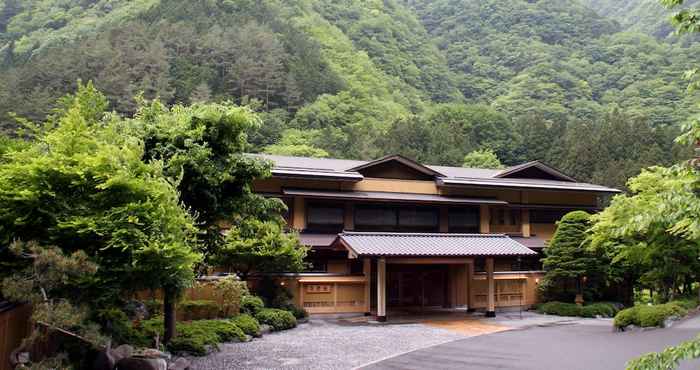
(198, 310)
(649, 316)
(298, 312)
(251, 304)
(230, 290)
(559, 308)
(603, 309)
(195, 336)
(276, 318)
(248, 324)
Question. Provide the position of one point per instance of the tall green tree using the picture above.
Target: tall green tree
(568, 260)
(482, 159)
(82, 185)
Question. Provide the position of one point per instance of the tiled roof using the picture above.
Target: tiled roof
(532, 242)
(317, 240)
(343, 169)
(430, 244)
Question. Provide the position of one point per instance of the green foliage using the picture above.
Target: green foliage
(668, 358)
(248, 324)
(195, 337)
(276, 318)
(230, 290)
(295, 142)
(198, 309)
(482, 159)
(116, 325)
(649, 316)
(560, 309)
(251, 304)
(298, 312)
(568, 260)
(263, 246)
(603, 309)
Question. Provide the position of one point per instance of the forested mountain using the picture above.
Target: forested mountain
(558, 80)
(645, 16)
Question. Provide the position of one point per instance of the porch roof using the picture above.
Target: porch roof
(390, 196)
(431, 244)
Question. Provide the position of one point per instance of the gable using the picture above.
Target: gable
(396, 167)
(534, 170)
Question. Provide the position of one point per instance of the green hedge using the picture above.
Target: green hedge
(604, 309)
(276, 318)
(194, 336)
(251, 304)
(648, 316)
(248, 324)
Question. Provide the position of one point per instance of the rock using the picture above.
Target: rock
(104, 360)
(153, 353)
(265, 329)
(669, 321)
(138, 363)
(122, 351)
(248, 338)
(180, 364)
(23, 357)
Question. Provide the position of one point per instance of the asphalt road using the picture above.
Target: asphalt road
(586, 344)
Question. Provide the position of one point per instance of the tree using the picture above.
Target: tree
(82, 185)
(296, 142)
(485, 158)
(567, 258)
(261, 247)
(201, 148)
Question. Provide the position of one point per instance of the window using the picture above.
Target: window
(418, 219)
(317, 265)
(325, 217)
(463, 220)
(503, 216)
(392, 218)
(546, 216)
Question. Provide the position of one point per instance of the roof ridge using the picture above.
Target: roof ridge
(413, 234)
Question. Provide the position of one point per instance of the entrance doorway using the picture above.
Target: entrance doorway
(417, 286)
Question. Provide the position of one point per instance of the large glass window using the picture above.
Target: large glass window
(325, 217)
(395, 218)
(463, 220)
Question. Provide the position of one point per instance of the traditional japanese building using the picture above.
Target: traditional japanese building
(394, 234)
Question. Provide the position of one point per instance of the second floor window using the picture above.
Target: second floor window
(395, 218)
(464, 220)
(325, 217)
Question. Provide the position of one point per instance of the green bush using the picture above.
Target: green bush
(199, 310)
(276, 318)
(603, 309)
(649, 316)
(248, 324)
(195, 336)
(117, 326)
(560, 309)
(297, 311)
(154, 307)
(251, 304)
(687, 303)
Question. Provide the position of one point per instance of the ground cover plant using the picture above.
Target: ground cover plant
(602, 309)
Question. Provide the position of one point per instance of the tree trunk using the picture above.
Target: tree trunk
(168, 316)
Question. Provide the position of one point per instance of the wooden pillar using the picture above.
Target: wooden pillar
(444, 219)
(485, 219)
(349, 220)
(381, 289)
(525, 222)
(301, 294)
(470, 279)
(299, 219)
(367, 270)
(491, 307)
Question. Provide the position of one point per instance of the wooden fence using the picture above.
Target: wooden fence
(14, 326)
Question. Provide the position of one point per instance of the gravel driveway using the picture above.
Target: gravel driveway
(325, 344)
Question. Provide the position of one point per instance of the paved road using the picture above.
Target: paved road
(586, 344)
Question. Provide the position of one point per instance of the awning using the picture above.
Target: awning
(389, 196)
(432, 245)
(317, 240)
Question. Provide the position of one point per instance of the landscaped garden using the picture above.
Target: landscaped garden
(115, 222)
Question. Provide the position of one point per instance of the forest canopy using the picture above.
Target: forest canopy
(431, 79)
